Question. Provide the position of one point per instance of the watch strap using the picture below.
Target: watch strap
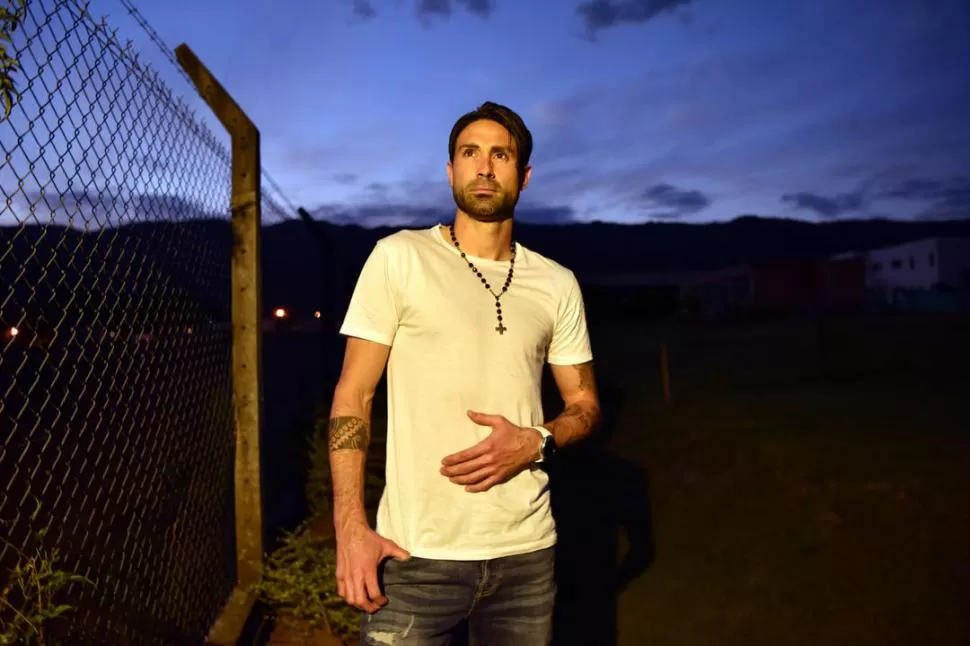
(545, 433)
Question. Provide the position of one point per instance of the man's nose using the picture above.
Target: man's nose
(485, 169)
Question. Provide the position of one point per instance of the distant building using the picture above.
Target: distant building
(929, 275)
(811, 286)
(932, 263)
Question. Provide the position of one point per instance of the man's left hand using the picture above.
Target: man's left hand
(506, 451)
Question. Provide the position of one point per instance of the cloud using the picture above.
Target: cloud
(920, 196)
(408, 216)
(87, 210)
(378, 215)
(545, 214)
(594, 15)
(483, 8)
(364, 9)
(597, 15)
(829, 207)
(427, 10)
(944, 199)
(676, 202)
(347, 179)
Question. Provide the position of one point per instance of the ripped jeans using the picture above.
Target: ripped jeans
(506, 601)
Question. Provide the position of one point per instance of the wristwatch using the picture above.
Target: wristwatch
(548, 447)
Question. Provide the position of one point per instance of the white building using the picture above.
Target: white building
(921, 264)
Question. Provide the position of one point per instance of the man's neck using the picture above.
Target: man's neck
(491, 240)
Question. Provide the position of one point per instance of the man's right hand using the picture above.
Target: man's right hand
(359, 551)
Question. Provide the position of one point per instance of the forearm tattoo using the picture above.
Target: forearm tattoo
(349, 433)
(583, 414)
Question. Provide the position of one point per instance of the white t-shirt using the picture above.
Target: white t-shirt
(416, 294)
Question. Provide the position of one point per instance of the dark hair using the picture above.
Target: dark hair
(505, 117)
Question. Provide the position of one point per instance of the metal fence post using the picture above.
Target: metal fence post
(246, 341)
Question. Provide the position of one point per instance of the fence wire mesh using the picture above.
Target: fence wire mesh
(116, 435)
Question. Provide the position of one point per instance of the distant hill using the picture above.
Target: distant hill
(187, 264)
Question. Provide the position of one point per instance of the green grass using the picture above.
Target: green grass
(797, 500)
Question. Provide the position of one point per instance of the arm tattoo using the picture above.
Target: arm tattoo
(584, 415)
(349, 433)
(587, 381)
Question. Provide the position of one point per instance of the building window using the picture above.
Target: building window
(876, 267)
(897, 263)
(932, 259)
(912, 262)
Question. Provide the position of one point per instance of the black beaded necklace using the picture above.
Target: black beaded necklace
(500, 328)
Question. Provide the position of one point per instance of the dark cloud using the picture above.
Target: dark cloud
(675, 202)
(364, 9)
(378, 215)
(945, 199)
(91, 211)
(545, 214)
(829, 207)
(597, 15)
(925, 197)
(426, 10)
(347, 179)
(594, 15)
(483, 8)
(405, 215)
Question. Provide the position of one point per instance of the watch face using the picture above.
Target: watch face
(548, 447)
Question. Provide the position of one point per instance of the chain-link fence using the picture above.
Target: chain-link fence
(116, 420)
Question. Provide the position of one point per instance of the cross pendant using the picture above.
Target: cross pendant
(501, 328)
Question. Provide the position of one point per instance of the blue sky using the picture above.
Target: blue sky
(686, 110)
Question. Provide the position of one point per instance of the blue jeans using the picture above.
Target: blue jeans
(506, 602)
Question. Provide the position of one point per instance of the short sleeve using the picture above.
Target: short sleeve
(374, 310)
(570, 343)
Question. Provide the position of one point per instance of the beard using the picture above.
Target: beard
(495, 207)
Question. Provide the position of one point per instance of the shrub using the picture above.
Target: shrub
(299, 581)
(32, 598)
(11, 17)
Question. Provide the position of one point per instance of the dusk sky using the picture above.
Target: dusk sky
(687, 110)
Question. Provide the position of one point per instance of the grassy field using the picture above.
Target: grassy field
(807, 486)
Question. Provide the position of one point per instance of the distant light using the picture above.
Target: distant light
(316, 314)
(280, 313)
(188, 331)
(14, 331)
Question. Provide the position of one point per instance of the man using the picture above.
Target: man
(463, 318)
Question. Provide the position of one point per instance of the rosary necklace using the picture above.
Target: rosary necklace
(500, 328)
